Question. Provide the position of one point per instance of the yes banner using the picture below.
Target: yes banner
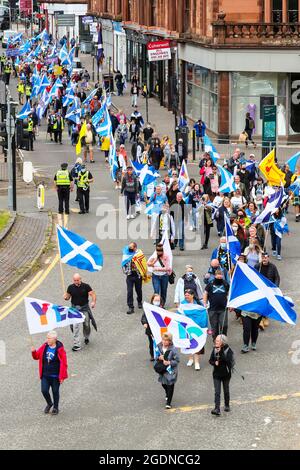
(43, 316)
(187, 335)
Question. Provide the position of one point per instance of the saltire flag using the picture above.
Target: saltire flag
(137, 167)
(149, 209)
(78, 252)
(233, 244)
(250, 165)
(71, 54)
(187, 335)
(64, 56)
(183, 177)
(53, 53)
(68, 98)
(37, 51)
(90, 97)
(82, 133)
(44, 83)
(44, 316)
(139, 260)
(43, 103)
(16, 38)
(292, 162)
(25, 48)
(148, 175)
(210, 148)
(104, 127)
(36, 88)
(195, 311)
(73, 114)
(108, 100)
(43, 36)
(274, 202)
(30, 57)
(98, 116)
(100, 51)
(25, 111)
(295, 187)
(227, 181)
(113, 159)
(270, 170)
(253, 292)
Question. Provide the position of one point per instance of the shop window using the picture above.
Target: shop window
(277, 11)
(293, 11)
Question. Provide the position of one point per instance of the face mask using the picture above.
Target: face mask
(223, 246)
(156, 303)
(235, 229)
(218, 281)
(131, 250)
(189, 276)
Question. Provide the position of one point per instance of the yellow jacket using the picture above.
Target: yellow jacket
(105, 144)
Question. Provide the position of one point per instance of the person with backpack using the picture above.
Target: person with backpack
(166, 365)
(222, 360)
(130, 189)
(188, 281)
(249, 128)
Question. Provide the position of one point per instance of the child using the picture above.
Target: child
(133, 131)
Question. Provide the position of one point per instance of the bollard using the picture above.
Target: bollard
(194, 143)
(40, 196)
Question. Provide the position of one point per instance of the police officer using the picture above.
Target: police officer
(28, 91)
(83, 185)
(58, 127)
(2, 62)
(7, 72)
(21, 91)
(29, 129)
(64, 184)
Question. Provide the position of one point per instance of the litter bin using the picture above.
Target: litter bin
(183, 133)
(108, 82)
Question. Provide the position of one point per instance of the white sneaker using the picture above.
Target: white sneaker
(132, 216)
(191, 229)
(197, 366)
(128, 217)
(190, 363)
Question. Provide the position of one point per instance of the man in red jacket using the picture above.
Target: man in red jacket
(53, 369)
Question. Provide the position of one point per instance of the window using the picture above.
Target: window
(277, 11)
(119, 7)
(153, 12)
(187, 16)
(292, 11)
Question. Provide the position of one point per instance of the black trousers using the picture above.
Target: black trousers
(57, 136)
(52, 382)
(63, 193)
(217, 385)
(30, 137)
(150, 339)
(130, 200)
(169, 389)
(134, 281)
(218, 322)
(84, 199)
(251, 328)
(206, 231)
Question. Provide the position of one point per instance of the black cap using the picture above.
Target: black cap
(265, 253)
(64, 166)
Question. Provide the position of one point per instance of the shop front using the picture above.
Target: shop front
(119, 62)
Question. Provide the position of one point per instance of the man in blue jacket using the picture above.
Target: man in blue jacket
(200, 128)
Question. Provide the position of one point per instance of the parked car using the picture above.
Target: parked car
(77, 67)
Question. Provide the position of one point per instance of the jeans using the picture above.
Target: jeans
(218, 322)
(179, 230)
(130, 202)
(63, 199)
(134, 100)
(86, 325)
(169, 389)
(194, 216)
(250, 329)
(217, 385)
(52, 382)
(276, 241)
(160, 286)
(57, 136)
(198, 140)
(133, 280)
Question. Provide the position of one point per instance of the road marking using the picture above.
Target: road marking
(266, 398)
(34, 283)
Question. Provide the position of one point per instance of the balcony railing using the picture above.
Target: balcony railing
(255, 33)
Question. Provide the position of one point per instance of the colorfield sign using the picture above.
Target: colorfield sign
(159, 50)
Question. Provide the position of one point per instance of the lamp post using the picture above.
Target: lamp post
(11, 152)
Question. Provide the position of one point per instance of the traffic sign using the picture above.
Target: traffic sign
(65, 20)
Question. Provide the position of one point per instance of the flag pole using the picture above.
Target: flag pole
(62, 277)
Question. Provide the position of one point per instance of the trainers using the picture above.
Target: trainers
(86, 341)
(227, 409)
(216, 412)
(130, 311)
(76, 348)
(140, 305)
(168, 407)
(132, 216)
(55, 411)
(245, 349)
(197, 367)
(274, 253)
(48, 408)
(253, 346)
(190, 363)
(128, 217)
(279, 257)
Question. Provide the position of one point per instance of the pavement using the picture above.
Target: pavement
(112, 399)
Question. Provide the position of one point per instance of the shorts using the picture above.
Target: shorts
(89, 147)
(296, 201)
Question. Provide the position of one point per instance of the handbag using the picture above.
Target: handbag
(159, 366)
(172, 277)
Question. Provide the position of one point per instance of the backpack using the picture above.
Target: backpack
(232, 362)
(251, 123)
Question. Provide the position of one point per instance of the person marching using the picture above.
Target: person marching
(168, 361)
(21, 91)
(64, 184)
(7, 73)
(58, 127)
(84, 179)
(53, 369)
(222, 360)
(29, 129)
(28, 91)
(79, 294)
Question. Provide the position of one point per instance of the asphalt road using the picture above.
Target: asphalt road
(112, 399)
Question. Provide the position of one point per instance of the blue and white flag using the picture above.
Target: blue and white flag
(183, 177)
(37, 51)
(53, 53)
(149, 209)
(104, 127)
(25, 48)
(79, 252)
(44, 83)
(250, 165)
(98, 116)
(71, 54)
(148, 175)
(73, 114)
(274, 202)
(16, 38)
(253, 292)
(137, 167)
(233, 244)
(68, 98)
(100, 52)
(156, 351)
(227, 181)
(292, 162)
(36, 88)
(43, 103)
(126, 256)
(90, 97)
(113, 159)
(64, 56)
(210, 148)
(25, 111)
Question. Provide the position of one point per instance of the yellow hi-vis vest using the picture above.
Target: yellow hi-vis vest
(21, 88)
(83, 180)
(29, 125)
(28, 90)
(63, 178)
(61, 124)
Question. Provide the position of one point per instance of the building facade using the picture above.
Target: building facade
(51, 9)
(228, 58)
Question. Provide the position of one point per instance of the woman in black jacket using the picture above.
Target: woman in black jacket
(222, 360)
(155, 300)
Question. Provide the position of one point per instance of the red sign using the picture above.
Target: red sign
(159, 50)
(26, 7)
